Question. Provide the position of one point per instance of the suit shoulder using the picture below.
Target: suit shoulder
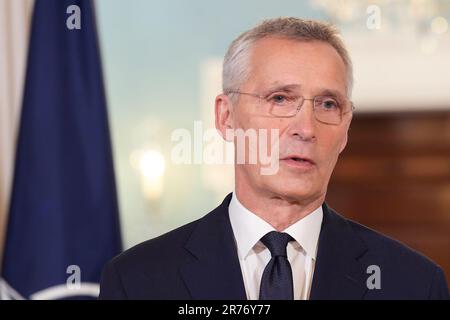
(148, 270)
(159, 250)
(391, 249)
(406, 273)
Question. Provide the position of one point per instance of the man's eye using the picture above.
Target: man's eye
(329, 104)
(278, 99)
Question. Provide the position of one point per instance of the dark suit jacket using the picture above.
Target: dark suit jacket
(199, 261)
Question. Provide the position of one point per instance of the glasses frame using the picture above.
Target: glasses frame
(300, 105)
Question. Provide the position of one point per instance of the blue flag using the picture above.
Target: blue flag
(63, 222)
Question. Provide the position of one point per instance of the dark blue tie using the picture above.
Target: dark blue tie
(276, 281)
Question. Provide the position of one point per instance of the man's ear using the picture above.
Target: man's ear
(344, 142)
(224, 115)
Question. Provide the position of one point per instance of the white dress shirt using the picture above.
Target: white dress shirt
(253, 255)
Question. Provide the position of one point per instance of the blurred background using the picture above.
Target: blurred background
(162, 70)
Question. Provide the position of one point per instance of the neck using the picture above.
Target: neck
(277, 210)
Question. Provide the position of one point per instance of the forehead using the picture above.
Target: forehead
(310, 64)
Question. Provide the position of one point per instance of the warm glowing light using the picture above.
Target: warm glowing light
(152, 164)
(439, 25)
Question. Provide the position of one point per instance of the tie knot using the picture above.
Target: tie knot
(276, 242)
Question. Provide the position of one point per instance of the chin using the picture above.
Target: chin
(294, 190)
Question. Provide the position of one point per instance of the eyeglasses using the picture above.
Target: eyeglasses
(326, 108)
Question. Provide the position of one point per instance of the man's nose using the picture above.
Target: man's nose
(303, 124)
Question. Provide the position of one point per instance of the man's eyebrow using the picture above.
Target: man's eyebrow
(276, 86)
(331, 92)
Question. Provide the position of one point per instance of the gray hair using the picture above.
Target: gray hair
(236, 60)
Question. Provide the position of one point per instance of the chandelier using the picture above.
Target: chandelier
(424, 17)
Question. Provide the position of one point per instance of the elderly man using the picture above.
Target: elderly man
(274, 237)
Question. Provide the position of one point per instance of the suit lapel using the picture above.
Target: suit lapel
(214, 271)
(338, 273)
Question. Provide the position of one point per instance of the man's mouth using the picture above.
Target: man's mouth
(298, 158)
(298, 161)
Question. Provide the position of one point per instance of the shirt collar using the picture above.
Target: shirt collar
(248, 229)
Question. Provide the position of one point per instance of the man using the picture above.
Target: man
(274, 237)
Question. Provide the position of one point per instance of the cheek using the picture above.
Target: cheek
(266, 128)
(330, 144)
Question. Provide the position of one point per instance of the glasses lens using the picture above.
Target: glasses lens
(283, 105)
(327, 109)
